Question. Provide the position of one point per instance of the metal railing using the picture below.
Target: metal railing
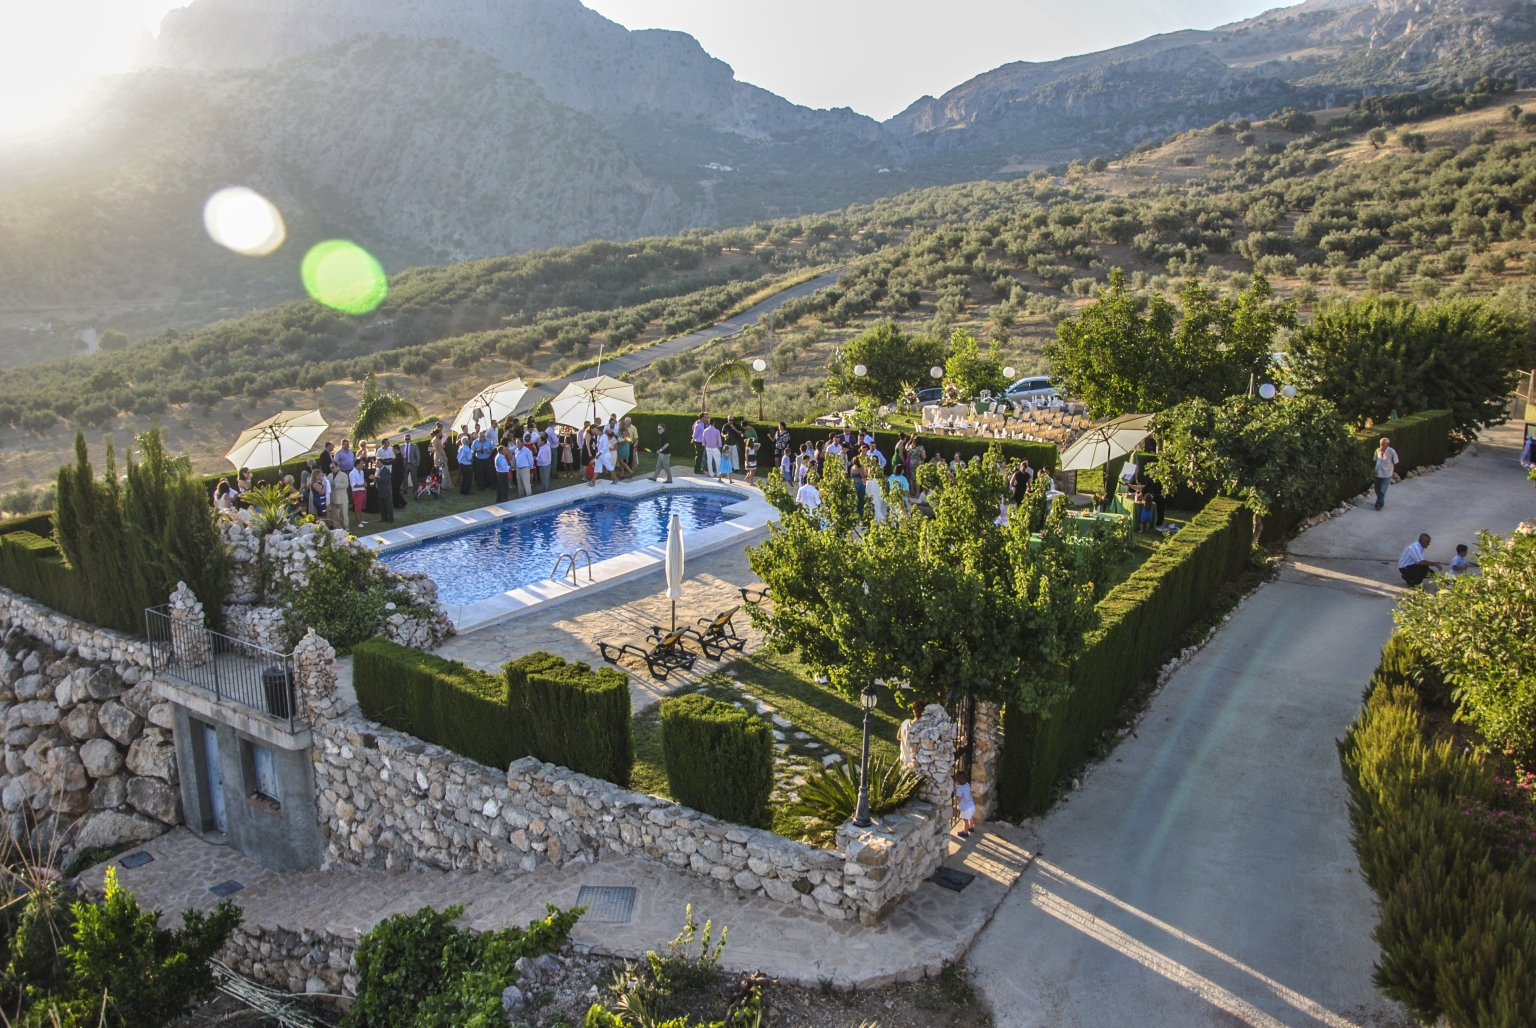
(229, 669)
(560, 562)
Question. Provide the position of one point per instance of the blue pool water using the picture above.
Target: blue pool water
(482, 562)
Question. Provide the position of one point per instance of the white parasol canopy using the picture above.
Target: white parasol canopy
(593, 399)
(493, 403)
(286, 435)
(1098, 446)
(675, 564)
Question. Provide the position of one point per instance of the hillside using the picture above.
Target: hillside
(1434, 208)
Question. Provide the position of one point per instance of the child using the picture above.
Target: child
(725, 466)
(1460, 565)
(966, 804)
(751, 459)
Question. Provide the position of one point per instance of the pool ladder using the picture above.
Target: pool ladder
(560, 562)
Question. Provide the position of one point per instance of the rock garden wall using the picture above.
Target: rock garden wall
(88, 756)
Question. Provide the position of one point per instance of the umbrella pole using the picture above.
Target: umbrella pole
(674, 615)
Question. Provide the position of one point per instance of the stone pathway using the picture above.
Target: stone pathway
(627, 610)
(1203, 874)
(933, 927)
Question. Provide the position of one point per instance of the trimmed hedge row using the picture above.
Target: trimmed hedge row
(442, 701)
(719, 758)
(32, 565)
(1139, 619)
(1421, 440)
(680, 430)
(539, 706)
(571, 715)
(1448, 851)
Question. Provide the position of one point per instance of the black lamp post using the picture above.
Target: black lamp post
(867, 700)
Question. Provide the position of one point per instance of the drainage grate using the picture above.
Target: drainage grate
(132, 860)
(951, 879)
(228, 888)
(607, 904)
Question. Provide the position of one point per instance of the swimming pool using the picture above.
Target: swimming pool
(519, 551)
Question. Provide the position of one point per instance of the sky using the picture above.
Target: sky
(876, 56)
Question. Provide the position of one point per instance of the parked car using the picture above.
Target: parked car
(933, 394)
(1034, 389)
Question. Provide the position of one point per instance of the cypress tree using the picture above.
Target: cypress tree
(193, 548)
(146, 505)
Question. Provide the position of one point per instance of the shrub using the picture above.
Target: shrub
(419, 970)
(32, 566)
(719, 758)
(831, 796)
(1140, 619)
(441, 701)
(571, 715)
(344, 598)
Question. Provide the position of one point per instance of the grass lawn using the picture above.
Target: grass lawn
(454, 503)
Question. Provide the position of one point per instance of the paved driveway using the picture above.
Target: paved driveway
(1203, 874)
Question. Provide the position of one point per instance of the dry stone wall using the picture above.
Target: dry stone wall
(88, 756)
(390, 801)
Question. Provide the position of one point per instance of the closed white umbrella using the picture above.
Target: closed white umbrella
(1098, 446)
(674, 564)
(286, 435)
(593, 399)
(492, 403)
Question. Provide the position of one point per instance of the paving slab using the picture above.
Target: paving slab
(1203, 875)
(933, 927)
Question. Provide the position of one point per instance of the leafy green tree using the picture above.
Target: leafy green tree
(126, 972)
(1290, 453)
(970, 372)
(933, 605)
(1480, 628)
(376, 409)
(722, 372)
(1380, 355)
(1116, 360)
(894, 360)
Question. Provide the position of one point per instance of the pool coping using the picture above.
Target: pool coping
(747, 522)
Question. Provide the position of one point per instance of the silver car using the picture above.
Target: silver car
(1035, 389)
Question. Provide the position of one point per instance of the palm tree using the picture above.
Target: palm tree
(724, 372)
(375, 409)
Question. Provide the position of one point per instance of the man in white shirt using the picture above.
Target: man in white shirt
(808, 496)
(501, 467)
(1386, 465)
(1412, 565)
(604, 460)
(524, 471)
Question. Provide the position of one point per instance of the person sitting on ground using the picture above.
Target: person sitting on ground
(1412, 565)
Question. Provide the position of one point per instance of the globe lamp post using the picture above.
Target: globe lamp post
(867, 700)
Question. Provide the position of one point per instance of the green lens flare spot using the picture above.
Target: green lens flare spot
(341, 274)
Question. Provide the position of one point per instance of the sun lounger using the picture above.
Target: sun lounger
(718, 636)
(664, 654)
(753, 596)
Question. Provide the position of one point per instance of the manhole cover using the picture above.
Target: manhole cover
(951, 879)
(133, 860)
(607, 904)
(228, 888)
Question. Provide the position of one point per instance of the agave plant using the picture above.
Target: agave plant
(831, 795)
(376, 409)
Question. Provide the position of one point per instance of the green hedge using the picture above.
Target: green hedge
(32, 566)
(719, 758)
(1139, 620)
(571, 715)
(441, 701)
(1421, 440)
(1448, 852)
(680, 429)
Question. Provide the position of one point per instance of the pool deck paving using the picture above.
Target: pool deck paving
(934, 927)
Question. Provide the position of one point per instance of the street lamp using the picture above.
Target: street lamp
(860, 370)
(867, 700)
(1289, 392)
(1267, 390)
(936, 371)
(1009, 372)
(759, 365)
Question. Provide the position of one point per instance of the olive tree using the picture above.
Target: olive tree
(893, 360)
(934, 605)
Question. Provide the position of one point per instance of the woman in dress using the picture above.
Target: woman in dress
(567, 453)
(624, 447)
(223, 497)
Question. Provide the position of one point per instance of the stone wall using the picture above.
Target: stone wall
(420, 621)
(391, 801)
(986, 751)
(292, 958)
(88, 756)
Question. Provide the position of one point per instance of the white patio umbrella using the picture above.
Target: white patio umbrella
(1102, 444)
(493, 403)
(284, 436)
(675, 564)
(593, 399)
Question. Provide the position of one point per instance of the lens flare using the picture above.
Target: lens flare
(341, 274)
(244, 221)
